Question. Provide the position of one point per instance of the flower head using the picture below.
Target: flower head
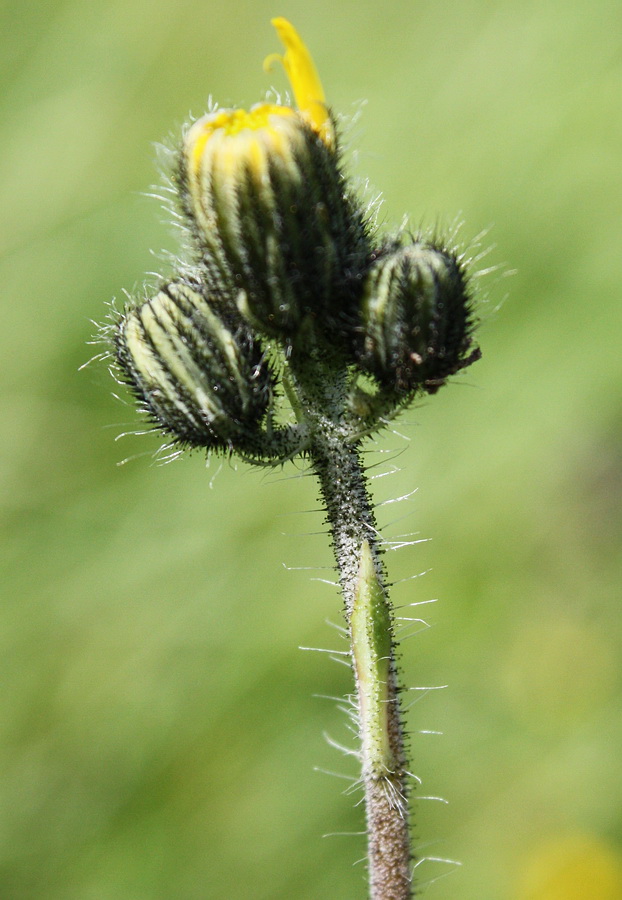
(277, 228)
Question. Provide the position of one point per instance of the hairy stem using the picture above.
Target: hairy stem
(343, 485)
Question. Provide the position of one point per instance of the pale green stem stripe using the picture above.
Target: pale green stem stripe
(370, 627)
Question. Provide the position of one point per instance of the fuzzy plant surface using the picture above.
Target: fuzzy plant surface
(294, 329)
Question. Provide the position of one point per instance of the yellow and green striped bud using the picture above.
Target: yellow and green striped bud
(416, 321)
(276, 227)
(198, 375)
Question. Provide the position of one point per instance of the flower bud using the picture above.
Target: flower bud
(198, 375)
(271, 215)
(416, 319)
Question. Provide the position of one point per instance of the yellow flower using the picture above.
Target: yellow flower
(574, 867)
(275, 223)
(266, 127)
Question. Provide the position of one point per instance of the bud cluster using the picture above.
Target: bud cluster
(295, 329)
(285, 261)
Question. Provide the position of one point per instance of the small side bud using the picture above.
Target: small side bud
(416, 320)
(200, 377)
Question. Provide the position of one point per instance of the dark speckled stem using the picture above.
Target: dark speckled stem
(334, 452)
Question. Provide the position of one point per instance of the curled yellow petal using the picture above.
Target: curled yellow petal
(304, 79)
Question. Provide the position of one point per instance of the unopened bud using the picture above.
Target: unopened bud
(416, 321)
(199, 376)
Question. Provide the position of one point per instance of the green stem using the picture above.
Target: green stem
(343, 486)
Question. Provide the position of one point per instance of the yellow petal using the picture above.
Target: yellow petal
(304, 79)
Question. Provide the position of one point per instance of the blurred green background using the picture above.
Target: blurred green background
(160, 731)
